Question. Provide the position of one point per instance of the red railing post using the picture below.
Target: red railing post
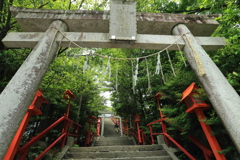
(179, 146)
(87, 140)
(195, 105)
(23, 155)
(64, 132)
(164, 128)
(143, 138)
(38, 137)
(130, 132)
(208, 133)
(98, 126)
(88, 137)
(207, 152)
(137, 120)
(33, 109)
(49, 147)
(123, 126)
(151, 133)
(68, 95)
(126, 129)
(77, 137)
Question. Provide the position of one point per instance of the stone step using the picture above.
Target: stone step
(112, 138)
(112, 146)
(117, 148)
(105, 140)
(116, 154)
(129, 158)
(113, 143)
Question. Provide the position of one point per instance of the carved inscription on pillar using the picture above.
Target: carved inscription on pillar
(123, 23)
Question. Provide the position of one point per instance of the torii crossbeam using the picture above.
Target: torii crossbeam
(122, 27)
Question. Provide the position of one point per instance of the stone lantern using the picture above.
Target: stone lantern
(37, 103)
(68, 95)
(192, 100)
(137, 118)
(91, 119)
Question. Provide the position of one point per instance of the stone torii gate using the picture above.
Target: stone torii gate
(103, 116)
(122, 27)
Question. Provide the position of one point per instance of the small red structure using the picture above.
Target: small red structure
(195, 105)
(68, 95)
(157, 97)
(191, 98)
(33, 109)
(98, 126)
(125, 126)
(207, 153)
(137, 120)
(162, 122)
(89, 135)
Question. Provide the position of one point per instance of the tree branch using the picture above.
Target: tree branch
(62, 50)
(192, 11)
(1, 5)
(80, 6)
(103, 3)
(43, 5)
(70, 3)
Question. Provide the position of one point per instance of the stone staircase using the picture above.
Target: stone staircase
(127, 152)
(112, 146)
(113, 141)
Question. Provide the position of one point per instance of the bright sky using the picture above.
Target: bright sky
(106, 94)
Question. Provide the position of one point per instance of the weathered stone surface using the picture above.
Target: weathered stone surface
(128, 158)
(114, 143)
(19, 93)
(123, 22)
(222, 95)
(120, 152)
(117, 148)
(116, 154)
(101, 40)
(38, 20)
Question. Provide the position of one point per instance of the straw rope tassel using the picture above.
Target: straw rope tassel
(200, 67)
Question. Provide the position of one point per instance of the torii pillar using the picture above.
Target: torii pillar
(222, 95)
(20, 91)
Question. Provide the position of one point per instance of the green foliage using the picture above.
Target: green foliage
(10, 61)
